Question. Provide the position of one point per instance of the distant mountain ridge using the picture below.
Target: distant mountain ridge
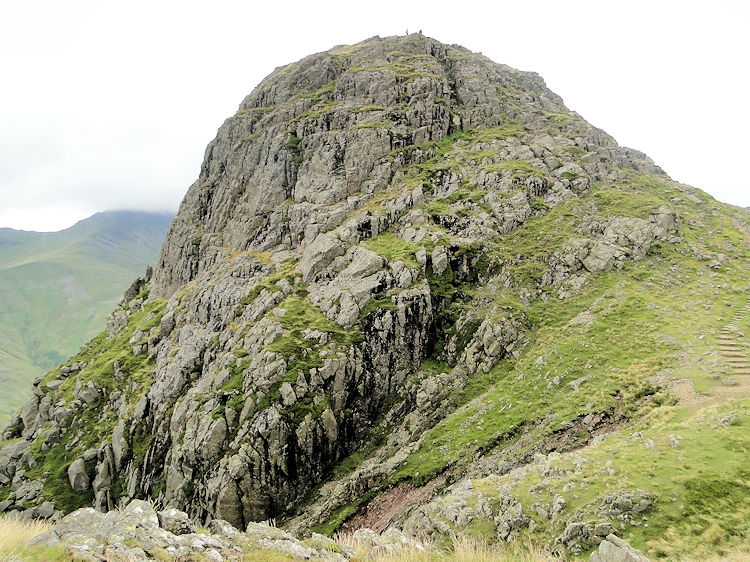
(56, 289)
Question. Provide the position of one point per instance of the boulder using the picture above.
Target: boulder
(439, 260)
(614, 549)
(175, 521)
(79, 480)
(288, 397)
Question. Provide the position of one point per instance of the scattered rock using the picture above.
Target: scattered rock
(137, 529)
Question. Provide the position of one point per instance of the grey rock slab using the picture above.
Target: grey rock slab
(328, 419)
(175, 521)
(601, 257)
(318, 255)
(614, 549)
(223, 528)
(54, 384)
(29, 490)
(439, 260)
(119, 444)
(46, 510)
(288, 396)
(79, 480)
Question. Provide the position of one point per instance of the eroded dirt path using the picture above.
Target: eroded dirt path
(379, 513)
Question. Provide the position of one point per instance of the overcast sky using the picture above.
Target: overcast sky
(107, 105)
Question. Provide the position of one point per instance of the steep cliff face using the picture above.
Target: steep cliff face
(370, 242)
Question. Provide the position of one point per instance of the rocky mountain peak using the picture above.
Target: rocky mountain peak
(321, 137)
(403, 268)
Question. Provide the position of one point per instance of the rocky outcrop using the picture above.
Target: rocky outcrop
(461, 506)
(621, 506)
(139, 532)
(316, 138)
(614, 549)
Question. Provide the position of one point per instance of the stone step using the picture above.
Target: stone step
(737, 360)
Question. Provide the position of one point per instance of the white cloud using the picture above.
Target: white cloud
(110, 105)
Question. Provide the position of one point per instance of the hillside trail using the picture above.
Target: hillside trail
(733, 370)
(735, 352)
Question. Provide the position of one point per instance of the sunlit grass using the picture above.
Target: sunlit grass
(15, 533)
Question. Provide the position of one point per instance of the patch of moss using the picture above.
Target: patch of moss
(288, 272)
(519, 168)
(394, 248)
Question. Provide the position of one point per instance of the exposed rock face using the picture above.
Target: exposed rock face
(614, 549)
(342, 220)
(318, 137)
(79, 480)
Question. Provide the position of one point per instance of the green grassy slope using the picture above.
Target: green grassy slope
(639, 344)
(56, 289)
